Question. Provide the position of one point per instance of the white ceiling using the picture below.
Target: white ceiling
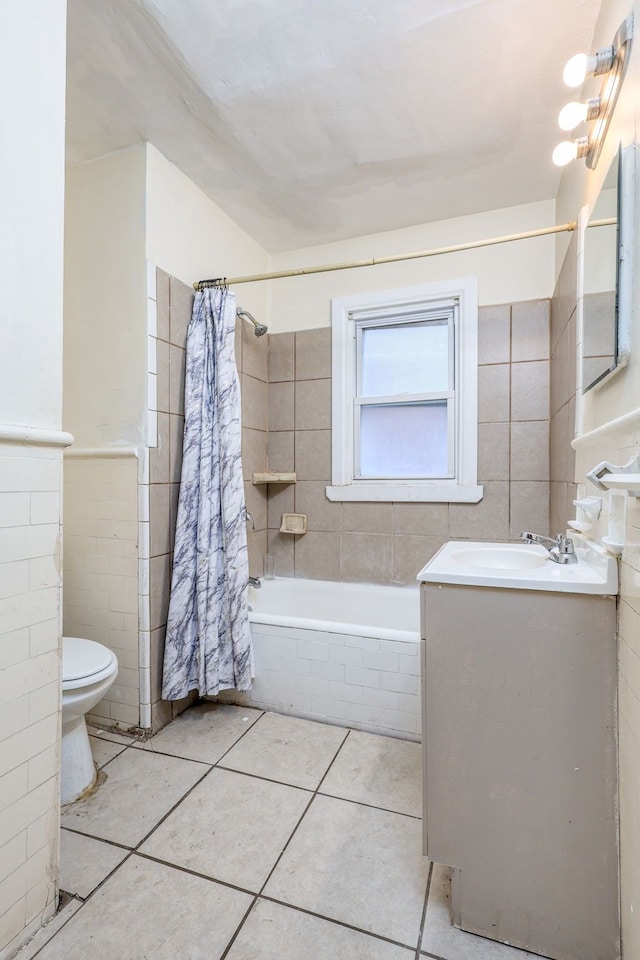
(315, 120)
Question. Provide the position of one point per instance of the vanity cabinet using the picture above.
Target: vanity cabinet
(519, 714)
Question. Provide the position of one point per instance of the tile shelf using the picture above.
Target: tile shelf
(259, 478)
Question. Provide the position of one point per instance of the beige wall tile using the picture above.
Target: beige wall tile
(254, 396)
(255, 352)
(313, 405)
(494, 334)
(487, 520)
(493, 451)
(410, 555)
(530, 330)
(318, 556)
(281, 546)
(530, 391)
(529, 508)
(281, 357)
(237, 346)
(366, 558)
(313, 454)
(159, 457)
(281, 406)
(163, 381)
(280, 451)
(367, 517)
(176, 380)
(494, 393)
(281, 500)
(160, 514)
(160, 585)
(564, 298)
(530, 450)
(254, 452)
(181, 302)
(176, 434)
(161, 715)
(313, 354)
(561, 454)
(162, 301)
(257, 546)
(174, 494)
(421, 519)
(157, 662)
(311, 499)
(255, 498)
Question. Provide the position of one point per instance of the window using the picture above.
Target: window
(405, 394)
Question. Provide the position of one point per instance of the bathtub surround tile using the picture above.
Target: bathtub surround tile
(103, 751)
(254, 452)
(529, 508)
(181, 303)
(204, 733)
(176, 434)
(160, 532)
(440, 938)
(177, 361)
(293, 751)
(275, 932)
(231, 828)
(281, 357)
(318, 556)
(487, 520)
(494, 334)
(140, 789)
(159, 456)
(530, 391)
(280, 451)
(157, 638)
(313, 405)
(313, 455)
(134, 915)
(493, 451)
(378, 771)
(257, 547)
(367, 517)
(281, 500)
(281, 406)
(494, 393)
(410, 555)
(378, 887)
(366, 557)
(313, 354)
(162, 300)
(281, 546)
(530, 330)
(255, 402)
(421, 519)
(255, 498)
(255, 352)
(160, 585)
(530, 450)
(311, 499)
(85, 862)
(162, 372)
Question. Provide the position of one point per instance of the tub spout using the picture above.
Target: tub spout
(255, 582)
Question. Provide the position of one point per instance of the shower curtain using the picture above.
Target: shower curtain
(208, 640)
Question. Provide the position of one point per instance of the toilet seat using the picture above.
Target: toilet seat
(84, 661)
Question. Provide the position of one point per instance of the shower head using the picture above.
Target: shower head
(260, 328)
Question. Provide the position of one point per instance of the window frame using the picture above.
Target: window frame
(458, 300)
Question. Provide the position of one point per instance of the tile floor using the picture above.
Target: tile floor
(252, 836)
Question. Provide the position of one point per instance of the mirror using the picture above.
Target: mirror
(606, 280)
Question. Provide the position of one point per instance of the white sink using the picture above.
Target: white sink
(523, 566)
(502, 556)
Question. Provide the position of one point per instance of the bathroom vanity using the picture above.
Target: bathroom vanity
(519, 711)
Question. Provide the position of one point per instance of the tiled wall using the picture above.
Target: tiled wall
(389, 542)
(173, 312)
(30, 484)
(562, 396)
(101, 571)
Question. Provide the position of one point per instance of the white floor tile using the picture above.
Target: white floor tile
(85, 862)
(104, 750)
(204, 732)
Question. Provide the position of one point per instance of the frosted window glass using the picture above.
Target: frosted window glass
(408, 358)
(404, 440)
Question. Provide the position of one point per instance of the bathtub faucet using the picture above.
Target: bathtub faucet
(255, 582)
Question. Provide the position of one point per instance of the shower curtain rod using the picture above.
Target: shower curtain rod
(373, 261)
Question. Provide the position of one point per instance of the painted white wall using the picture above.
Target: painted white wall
(32, 53)
(189, 237)
(105, 320)
(506, 273)
(619, 396)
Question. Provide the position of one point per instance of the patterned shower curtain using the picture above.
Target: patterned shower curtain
(208, 641)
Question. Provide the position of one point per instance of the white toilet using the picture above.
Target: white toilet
(88, 670)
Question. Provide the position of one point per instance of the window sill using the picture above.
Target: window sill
(406, 492)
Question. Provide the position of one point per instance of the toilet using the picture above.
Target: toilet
(88, 670)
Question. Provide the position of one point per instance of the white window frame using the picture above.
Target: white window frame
(392, 306)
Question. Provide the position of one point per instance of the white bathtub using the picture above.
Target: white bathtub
(345, 653)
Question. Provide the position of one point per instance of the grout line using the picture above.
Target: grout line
(424, 911)
(47, 942)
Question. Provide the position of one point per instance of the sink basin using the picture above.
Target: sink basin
(497, 556)
(523, 566)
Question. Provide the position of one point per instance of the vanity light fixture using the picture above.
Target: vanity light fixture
(610, 62)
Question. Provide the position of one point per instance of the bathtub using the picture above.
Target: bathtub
(344, 653)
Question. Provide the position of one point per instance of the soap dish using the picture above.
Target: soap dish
(613, 546)
(294, 523)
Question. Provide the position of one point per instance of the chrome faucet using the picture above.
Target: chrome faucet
(561, 549)
(255, 582)
(250, 519)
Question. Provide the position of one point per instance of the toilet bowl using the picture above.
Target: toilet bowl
(88, 670)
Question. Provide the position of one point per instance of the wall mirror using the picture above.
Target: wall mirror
(607, 264)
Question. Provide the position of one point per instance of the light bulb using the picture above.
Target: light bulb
(575, 71)
(571, 115)
(564, 153)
